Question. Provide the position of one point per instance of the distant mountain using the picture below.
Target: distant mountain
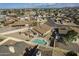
(37, 5)
(58, 5)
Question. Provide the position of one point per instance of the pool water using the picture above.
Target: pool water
(39, 41)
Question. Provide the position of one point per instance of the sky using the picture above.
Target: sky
(37, 5)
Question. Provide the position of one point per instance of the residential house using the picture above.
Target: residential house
(43, 29)
(19, 24)
(17, 48)
(63, 30)
(70, 47)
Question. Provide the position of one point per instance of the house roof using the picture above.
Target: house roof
(19, 48)
(71, 46)
(42, 28)
(75, 29)
(9, 21)
(9, 42)
(63, 30)
(5, 29)
(48, 51)
(19, 23)
(27, 32)
(34, 31)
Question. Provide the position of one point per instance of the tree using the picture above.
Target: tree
(71, 53)
(71, 36)
(4, 12)
(22, 13)
(34, 23)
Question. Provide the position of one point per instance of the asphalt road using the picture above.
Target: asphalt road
(53, 24)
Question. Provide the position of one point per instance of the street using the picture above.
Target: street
(53, 24)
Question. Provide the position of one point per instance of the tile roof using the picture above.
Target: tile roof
(19, 48)
(19, 23)
(9, 42)
(42, 28)
(70, 46)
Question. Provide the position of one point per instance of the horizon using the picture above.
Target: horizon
(37, 5)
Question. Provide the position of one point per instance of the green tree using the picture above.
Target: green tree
(4, 12)
(71, 36)
(34, 23)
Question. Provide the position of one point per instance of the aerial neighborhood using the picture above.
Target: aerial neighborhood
(44, 32)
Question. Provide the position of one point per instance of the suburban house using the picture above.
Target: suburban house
(9, 42)
(42, 30)
(9, 21)
(17, 48)
(24, 17)
(2, 18)
(71, 46)
(63, 30)
(19, 24)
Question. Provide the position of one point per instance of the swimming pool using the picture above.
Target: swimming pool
(39, 41)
